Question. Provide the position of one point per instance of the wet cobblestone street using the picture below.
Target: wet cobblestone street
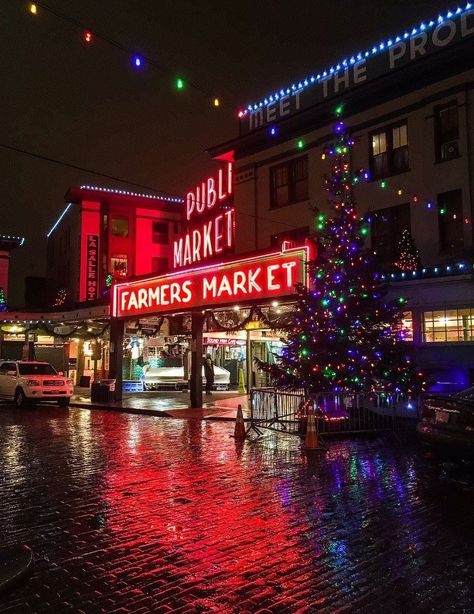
(133, 513)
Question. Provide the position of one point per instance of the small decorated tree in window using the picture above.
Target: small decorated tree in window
(3, 300)
(408, 255)
(345, 335)
(61, 297)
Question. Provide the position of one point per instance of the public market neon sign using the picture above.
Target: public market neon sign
(248, 280)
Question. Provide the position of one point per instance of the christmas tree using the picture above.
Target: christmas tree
(61, 297)
(344, 335)
(409, 257)
(3, 300)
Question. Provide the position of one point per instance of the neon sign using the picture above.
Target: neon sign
(209, 193)
(248, 280)
(92, 268)
(206, 240)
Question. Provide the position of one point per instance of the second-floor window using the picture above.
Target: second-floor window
(289, 182)
(159, 265)
(160, 232)
(387, 227)
(450, 220)
(119, 226)
(447, 132)
(389, 150)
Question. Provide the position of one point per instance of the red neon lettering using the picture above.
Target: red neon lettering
(252, 283)
(196, 245)
(201, 198)
(207, 240)
(230, 227)
(187, 259)
(289, 266)
(222, 194)
(229, 178)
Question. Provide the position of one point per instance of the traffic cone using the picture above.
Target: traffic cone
(242, 389)
(311, 441)
(239, 432)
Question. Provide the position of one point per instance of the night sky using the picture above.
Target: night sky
(88, 106)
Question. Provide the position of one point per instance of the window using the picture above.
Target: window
(159, 265)
(36, 368)
(450, 220)
(160, 232)
(118, 266)
(119, 226)
(447, 132)
(407, 326)
(448, 325)
(289, 182)
(296, 237)
(6, 367)
(389, 151)
(387, 227)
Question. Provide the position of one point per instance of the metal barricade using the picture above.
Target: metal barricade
(335, 413)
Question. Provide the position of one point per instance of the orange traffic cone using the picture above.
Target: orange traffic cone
(239, 432)
(311, 441)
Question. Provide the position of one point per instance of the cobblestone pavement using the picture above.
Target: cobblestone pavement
(134, 513)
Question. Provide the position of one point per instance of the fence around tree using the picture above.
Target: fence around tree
(335, 413)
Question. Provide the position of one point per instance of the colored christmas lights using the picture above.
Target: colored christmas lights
(344, 336)
(409, 256)
(87, 36)
(3, 300)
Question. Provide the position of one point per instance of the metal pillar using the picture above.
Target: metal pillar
(117, 328)
(196, 359)
(248, 360)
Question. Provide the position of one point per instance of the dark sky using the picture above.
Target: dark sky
(88, 106)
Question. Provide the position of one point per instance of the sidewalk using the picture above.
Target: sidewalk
(171, 404)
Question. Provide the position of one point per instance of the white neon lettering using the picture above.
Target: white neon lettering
(132, 302)
(164, 290)
(211, 193)
(253, 285)
(220, 184)
(196, 245)
(207, 240)
(396, 52)
(209, 287)
(218, 234)
(142, 298)
(229, 178)
(174, 293)
(289, 266)
(201, 198)
(123, 299)
(230, 227)
(153, 296)
(177, 252)
(224, 286)
(186, 288)
(190, 203)
(187, 251)
(271, 277)
(239, 282)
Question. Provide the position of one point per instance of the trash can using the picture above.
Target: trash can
(107, 390)
(84, 381)
(97, 393)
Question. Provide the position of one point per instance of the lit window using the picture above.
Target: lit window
(407, 326)
(448, 325)
(118, 266)
(389, 151)
(119, 226)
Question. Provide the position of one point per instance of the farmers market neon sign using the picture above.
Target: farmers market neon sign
(247, 280)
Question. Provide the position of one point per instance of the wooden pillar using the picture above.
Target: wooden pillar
(196, 359)
(117, 328)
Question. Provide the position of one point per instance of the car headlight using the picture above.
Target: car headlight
(69, 382)
(33, 382)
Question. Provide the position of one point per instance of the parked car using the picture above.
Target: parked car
(31, 381)
(173, 377)
(448, 422)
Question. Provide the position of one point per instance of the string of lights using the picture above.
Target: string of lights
(137, 60)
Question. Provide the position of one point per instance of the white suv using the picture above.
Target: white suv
(29, 381)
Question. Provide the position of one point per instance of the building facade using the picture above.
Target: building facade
(408, 105)
(105, 234)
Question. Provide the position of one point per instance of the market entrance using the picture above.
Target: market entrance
(248, 288)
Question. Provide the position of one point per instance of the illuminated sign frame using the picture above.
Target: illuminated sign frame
(92, 272)
(248, 280)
